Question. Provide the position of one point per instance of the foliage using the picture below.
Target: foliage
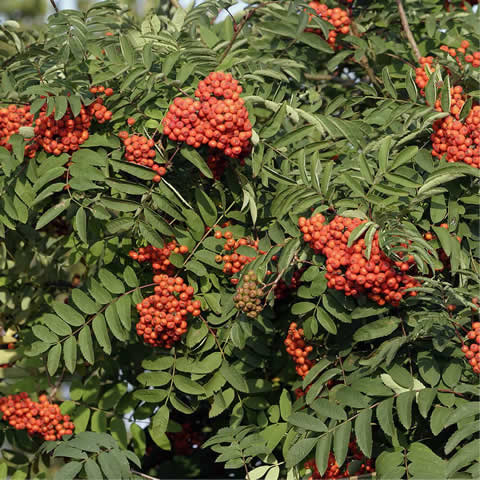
(335, 131)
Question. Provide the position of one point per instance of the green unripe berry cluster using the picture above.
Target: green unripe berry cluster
(248, 298)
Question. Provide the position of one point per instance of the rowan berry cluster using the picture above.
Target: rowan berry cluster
(68, 133)
(249, 295)
(335, 471)
(473, 57)
(101, 89)
(421, 76)
(459, 141)
(283, 290)
(472, 351)
(163, 316)
(457, 99)
(11, 119)
(234, 262)
(139, 149)
(184, 442)
(349, 269)
(159, 257)
(218, 119)
(42, 418)
(336, 16)
(298, 349)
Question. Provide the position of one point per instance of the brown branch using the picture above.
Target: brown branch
(406, 29)
(444, 390)
(54, 5)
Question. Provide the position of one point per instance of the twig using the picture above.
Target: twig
(275, 281)
(54, 5)
(343, 370)
(444, 390)
(232, 17)
(144, 475)
(238, 29)
(175, 3)
(214, 336)
(406, 29)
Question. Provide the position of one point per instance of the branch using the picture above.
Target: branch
(54, 5)
(406, 29)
